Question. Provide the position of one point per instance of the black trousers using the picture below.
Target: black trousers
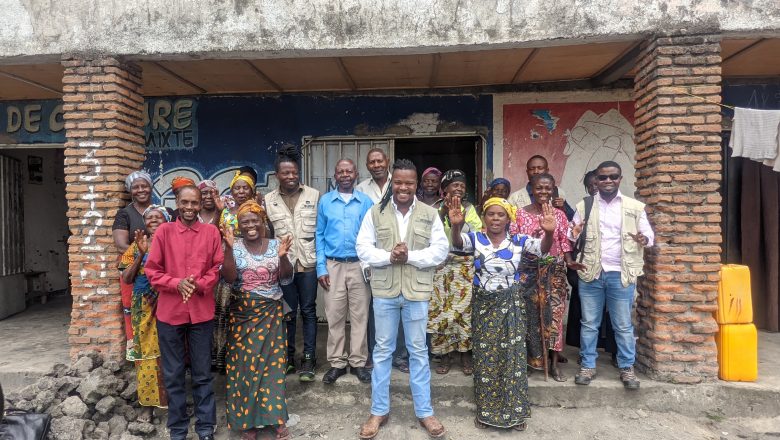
(198, 338)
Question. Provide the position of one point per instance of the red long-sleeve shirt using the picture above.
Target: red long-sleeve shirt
(178, 251)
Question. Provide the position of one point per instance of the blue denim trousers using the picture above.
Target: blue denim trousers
(302, 294)
(413, 315)
(607, 288)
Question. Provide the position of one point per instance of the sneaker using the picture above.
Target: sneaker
(584, 376)
(290, 365)
(306, 372)
(627, 376)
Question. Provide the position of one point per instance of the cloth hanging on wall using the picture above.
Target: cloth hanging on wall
(755, 135)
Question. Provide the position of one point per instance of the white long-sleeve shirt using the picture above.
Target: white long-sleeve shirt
(431, 256)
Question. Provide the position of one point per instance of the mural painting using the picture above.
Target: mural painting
(574, 137)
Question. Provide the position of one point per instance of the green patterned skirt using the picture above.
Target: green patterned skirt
(499, 347)
(256, 359)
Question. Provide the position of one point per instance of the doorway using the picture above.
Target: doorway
(446, 153)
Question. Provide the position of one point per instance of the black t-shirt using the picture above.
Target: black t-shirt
(129, 219)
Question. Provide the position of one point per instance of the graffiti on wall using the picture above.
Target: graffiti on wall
(162, 183)
(574, 137)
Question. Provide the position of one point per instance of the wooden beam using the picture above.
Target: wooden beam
(618, 67)
(345, 73)
(523, 66)
(179, 78)
(30, 82)
(263, 76)
(742, 51)
(434, 70)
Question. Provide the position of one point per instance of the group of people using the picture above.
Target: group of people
(417, 270)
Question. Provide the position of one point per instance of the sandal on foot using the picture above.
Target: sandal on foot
(557, 376)
(444, 365)
(521, 427)
(468, 364)
(249, 434)
(282, 433)
(479, 425)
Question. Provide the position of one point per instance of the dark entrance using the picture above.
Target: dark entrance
(445, 153)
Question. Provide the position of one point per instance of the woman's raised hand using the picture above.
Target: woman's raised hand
(141, 241)
(548, 218)
(228, 236)
(285, 243)
(457, 217)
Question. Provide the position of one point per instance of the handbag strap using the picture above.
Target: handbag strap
(581, 239)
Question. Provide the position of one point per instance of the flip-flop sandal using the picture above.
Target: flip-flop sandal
(444, 366)
(468, 370)
(403, 367)
(520, 427)
(479, 425)
(558, 376)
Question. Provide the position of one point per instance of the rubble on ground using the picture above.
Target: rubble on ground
(88, 400)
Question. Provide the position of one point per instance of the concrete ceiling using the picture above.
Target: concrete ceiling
(601, 63)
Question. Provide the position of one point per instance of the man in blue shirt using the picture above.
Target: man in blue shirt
(339, 215)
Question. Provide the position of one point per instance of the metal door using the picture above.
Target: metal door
(320, 155)
(11, 217)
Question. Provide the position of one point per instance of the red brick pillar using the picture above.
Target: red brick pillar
(103, 112)
(678, 176)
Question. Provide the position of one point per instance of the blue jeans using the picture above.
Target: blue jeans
(414, 317)
(400, 355)
(607, 288)
(172, 339)
(302, 293)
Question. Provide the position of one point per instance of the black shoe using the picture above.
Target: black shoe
(362, 373)
(290, 365)
(306, 372)
(333, 374)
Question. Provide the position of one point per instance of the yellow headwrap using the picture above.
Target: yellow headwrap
(243, 177)
(253, 207)
(510, 209)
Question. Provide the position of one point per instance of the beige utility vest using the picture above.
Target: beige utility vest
(394, 279)
(301, 224)
(632, 253)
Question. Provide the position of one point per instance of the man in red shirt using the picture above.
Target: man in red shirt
(183, 267)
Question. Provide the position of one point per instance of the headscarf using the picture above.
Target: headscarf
(162, 210)
(253, 207)
(499, 181)
(179, 181)
(248, 179)
(137, 175)
(430, 170)
(510, 209)
(203, 184)
(452, 176)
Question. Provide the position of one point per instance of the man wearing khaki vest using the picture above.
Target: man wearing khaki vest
(402, 241)
(616, 233)
(292, 210)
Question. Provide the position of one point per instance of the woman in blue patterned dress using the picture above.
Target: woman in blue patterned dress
(498, 311)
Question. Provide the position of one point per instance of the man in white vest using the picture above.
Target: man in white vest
(292, 210)
(402, 241)
(616, 232)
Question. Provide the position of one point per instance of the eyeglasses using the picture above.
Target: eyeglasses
(612, 177)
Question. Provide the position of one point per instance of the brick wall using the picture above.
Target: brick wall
(103, 108)
(678, 176)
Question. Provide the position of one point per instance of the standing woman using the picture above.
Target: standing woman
(429, 191)
(129, 220)
(498, 317)
(146, 348)
(257, 342)
(449, 315)
(242, 189)
(209, 194)
(549, 301)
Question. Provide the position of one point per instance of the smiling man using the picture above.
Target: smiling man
(338, 270)
(611, 262)
(183, 267)
(403, 241)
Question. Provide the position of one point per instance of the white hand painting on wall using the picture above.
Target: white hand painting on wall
(594, 139)
(162, 184)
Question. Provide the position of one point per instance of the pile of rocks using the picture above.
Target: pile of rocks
(91, 399)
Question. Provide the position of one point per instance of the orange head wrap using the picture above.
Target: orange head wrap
(178, 182)
(253, 207)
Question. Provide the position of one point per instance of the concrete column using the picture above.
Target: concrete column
(103, 112)
(678, 176)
